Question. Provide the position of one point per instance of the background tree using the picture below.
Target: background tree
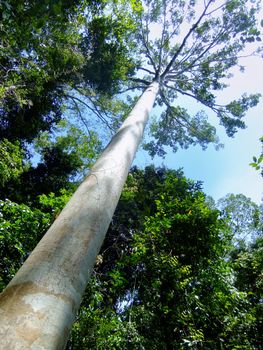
(248, 264)
(243, 215)
(192, 56)
(48, 66)
(65, 157)
(21, 228)
(217, 28)
(162, 279)
(11, 161)
(45, 51)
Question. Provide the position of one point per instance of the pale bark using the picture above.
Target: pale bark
(39, 305)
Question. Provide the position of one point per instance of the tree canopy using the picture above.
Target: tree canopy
(168, 277)
(190, 48)
(56, 58)
(174, 271)
(169, 274)
(62, 61)
(49, 49)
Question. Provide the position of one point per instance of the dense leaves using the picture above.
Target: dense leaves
(49, 50)
(52, 47)
(190, 48)
(244, 216)
(11, 161)
(164, 278)
(167, 276)
(59, 56)
(64, 160)
(39, 45)
(21, 228)
(248, 266)
(56, 58)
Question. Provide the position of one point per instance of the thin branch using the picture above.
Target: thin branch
(188, 124)
(98, 113)
(138, 80)
(216, 110)
(79, 113)
(145, 41)
(216, 9)
(176, 29)
(162, 39)
(209, 47)
(94, 110)
(205, 49)
(224, 59)
(170, 108)
(178, 51)
(146, 70)
(131, 88)
(188, 54)
(90, 98)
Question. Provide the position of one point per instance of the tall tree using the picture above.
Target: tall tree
(52, 55)
(248, 267)
(190, 48)
(242, 215)
(48, 49)
(45, 294)
(162, 279)
(66, 154)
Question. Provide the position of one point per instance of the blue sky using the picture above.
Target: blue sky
(227, 170)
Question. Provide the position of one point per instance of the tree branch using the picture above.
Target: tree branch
(216, 110)
(132, 88)
(170, 108)
(162, 40)
(146, 70)
(216, 9)
(145, 42)
(187, 123)
(79, 113)
(178, 51)
(209, 47)
(142, 81)
(94, 110)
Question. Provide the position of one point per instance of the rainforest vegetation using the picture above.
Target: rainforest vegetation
(176, 270)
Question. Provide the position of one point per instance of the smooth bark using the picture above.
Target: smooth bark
(39, 305)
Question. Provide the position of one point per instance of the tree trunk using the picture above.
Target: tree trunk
(39, 305)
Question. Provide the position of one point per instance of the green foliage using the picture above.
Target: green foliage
(167, 275)
(54, 47)
(21, 228)
(248, 266)
(65, 157)
(54, 204)
(109, 331)
(242, 215)
(109, 61)
(257, 161)
(50, 175)
(190, 49)
(192, 131)
(56, 57)
(39, 54)
(164, 277)
(74, 142)
(11, 161)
